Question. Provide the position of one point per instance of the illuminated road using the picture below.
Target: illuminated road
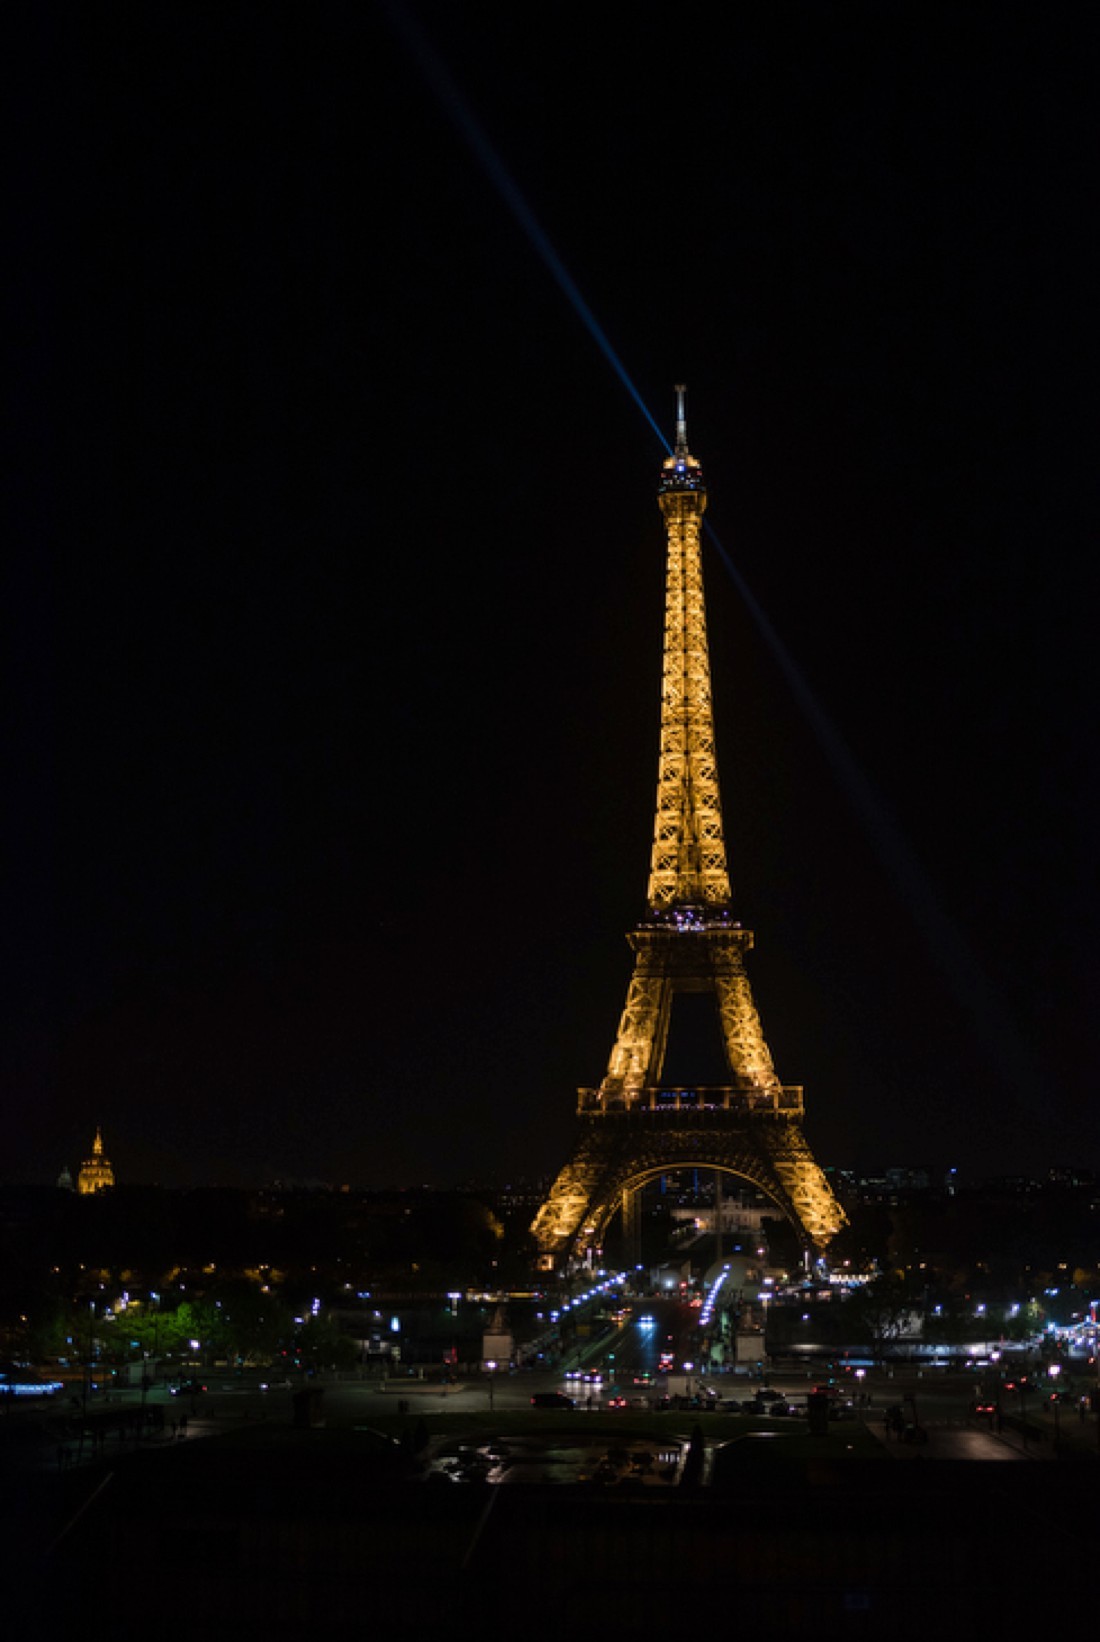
(654, 1337)
(652, 1329)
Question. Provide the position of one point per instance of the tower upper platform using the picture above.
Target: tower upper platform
(681, 472)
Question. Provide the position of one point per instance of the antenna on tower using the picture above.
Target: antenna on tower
(681, 421)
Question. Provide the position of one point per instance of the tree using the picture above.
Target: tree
(35, 1325)
(320, 1344)
(202, 1321)
(253, 1325)
(145, 1329)
(881, 1311)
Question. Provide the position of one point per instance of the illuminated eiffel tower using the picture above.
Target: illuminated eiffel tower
(633, 1128)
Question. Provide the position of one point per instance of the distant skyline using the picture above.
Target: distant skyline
(337, 589)
(908, 1174)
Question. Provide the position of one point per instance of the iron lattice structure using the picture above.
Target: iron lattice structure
(633, 1127)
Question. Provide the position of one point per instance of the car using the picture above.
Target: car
(552, 1399)
(186, 1388)
(767, 1395)
(618, 1401)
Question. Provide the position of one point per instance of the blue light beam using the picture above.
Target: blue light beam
(993, 1027)
(438, 77)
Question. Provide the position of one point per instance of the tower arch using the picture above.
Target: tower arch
(603, 1219)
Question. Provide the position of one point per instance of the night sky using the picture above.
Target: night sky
(336, 580)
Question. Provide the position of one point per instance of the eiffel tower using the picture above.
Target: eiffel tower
(633, 1128)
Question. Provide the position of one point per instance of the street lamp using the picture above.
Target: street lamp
(149, 1362)
(492, 1368)
(996, 1387)
(1054, 1371)
(91, 1354)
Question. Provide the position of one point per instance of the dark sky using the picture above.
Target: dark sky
(337, 574)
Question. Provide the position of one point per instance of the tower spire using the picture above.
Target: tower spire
(681, 421)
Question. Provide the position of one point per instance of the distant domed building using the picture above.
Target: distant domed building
(65, 1180)
(96, 1175)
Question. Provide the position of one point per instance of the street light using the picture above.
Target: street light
(89, 1359)
(491, 1367)
(1054, 1371)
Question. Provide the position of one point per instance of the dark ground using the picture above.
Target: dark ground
(278, 1531)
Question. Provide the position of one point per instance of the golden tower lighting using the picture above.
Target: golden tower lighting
(633, 1127)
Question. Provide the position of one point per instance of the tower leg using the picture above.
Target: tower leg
(632, 1226)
